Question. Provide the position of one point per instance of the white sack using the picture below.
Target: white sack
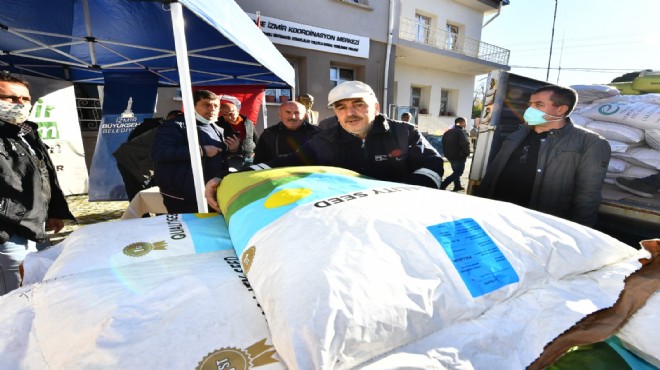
(618, 146)
(633, 171)
(590, 93)
(652, 137)
(642, 157)
(636, 114)
(616, 165)
(617, 131)
(646, 98)
(378, 267)
(641, 335)
(124, 242)
(580, 120)
(174, 313)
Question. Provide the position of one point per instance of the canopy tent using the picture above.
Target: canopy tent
(76, 40)
(184, 43)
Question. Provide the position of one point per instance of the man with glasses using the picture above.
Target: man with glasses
(240, 134)
(31, 201)
(549, 164)
(365, 141)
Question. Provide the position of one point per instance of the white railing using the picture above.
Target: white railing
(441, 39)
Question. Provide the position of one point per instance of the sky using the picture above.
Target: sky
(594, 41)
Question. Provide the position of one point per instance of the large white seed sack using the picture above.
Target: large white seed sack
(352, 272)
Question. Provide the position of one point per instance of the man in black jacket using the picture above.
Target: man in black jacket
(365, 142)
(286, 136)
(171, 156)
(31, 201)
(456, 147)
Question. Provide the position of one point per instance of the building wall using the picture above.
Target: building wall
(313, 66)
(442, 11)
(432, 82)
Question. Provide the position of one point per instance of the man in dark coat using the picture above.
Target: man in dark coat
(365, 142)
(171, 155)
(456, 147)
(31, 201)
(287, 136)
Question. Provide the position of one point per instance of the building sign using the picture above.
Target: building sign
(309, 37)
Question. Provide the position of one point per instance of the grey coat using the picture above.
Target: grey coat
(570, 172)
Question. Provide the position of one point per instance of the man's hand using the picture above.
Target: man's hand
(210, 192)
(211, 150)
(54, 225)
(233, 142)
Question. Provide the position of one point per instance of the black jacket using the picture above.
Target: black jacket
(25, 200)
(456, 144)
(277, 141)
(171, 157)
(247, 147)
(392, 151)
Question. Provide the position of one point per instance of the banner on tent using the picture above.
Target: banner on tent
(55, 113)
(129, 98)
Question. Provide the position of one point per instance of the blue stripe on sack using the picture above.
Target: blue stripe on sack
(253, 217)
(209, 233)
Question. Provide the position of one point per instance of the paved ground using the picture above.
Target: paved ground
(87, 212)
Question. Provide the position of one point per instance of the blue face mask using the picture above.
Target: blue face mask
(535, 117)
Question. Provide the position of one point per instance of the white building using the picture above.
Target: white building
(418, 55)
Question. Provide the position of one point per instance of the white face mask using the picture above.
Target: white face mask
(204, 120)
(14, 113)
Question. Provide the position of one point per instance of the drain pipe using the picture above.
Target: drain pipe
(499, 9)
(390, 30)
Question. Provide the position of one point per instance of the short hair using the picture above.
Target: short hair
(405, 114)
(460, 119)
(173, 113)
(560, 96)
(203, 94)
(308, 96)
(6, 76)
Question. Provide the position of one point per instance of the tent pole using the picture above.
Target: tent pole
(188, 104)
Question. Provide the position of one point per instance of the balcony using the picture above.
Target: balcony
(417, 36)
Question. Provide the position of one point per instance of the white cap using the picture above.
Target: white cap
(230, 99)
(349, 90)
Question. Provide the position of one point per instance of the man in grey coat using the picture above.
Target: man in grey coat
(549, 164)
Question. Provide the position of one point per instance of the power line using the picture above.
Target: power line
(584, 69)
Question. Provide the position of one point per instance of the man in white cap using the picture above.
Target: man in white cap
(365, 141)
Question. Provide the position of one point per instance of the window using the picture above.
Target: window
(422, 28)
(339, 75)
(282, 95)
(452, 36)
(415, 96)
(444, 102)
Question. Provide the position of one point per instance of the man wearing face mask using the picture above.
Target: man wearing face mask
(31, 201)
(171, 155)
(549, 164)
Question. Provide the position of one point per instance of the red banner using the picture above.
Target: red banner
(250, 97)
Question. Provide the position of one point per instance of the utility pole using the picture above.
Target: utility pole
(547, 76)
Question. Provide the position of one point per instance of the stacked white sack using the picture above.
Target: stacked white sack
(135, 241)
(107, 307)
(631, 124)
(382, 275)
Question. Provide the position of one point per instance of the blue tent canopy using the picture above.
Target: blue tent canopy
(75, 40)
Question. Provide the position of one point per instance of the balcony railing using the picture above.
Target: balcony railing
(441, 39)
